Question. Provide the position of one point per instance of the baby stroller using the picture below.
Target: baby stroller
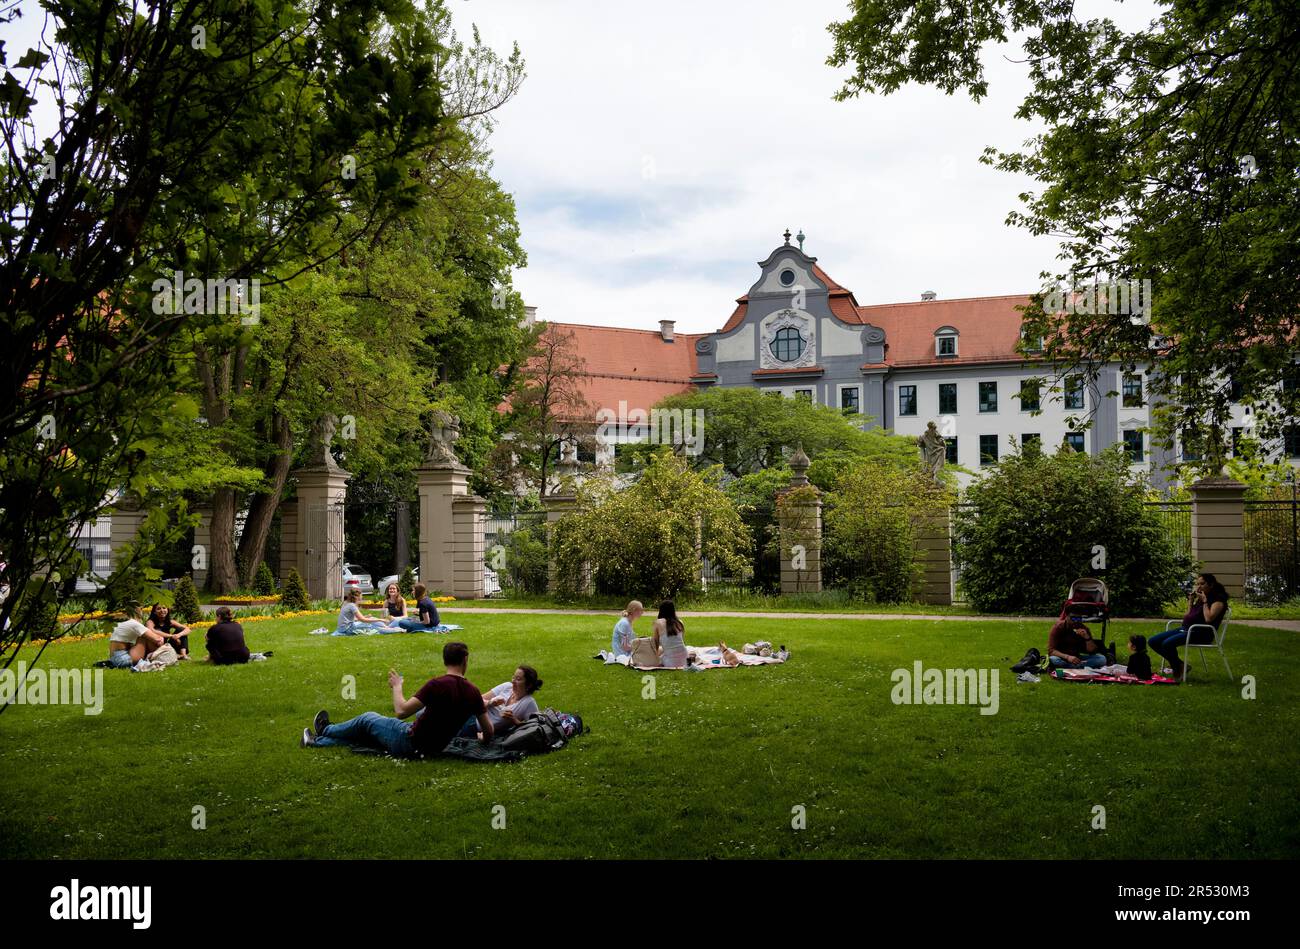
(1089, 602)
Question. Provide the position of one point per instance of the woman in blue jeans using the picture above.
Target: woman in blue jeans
(1208, 603)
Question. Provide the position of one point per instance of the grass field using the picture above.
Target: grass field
(711, 767)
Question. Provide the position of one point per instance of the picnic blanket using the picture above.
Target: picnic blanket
(702, 658)
(358, 630)
(1107, 677)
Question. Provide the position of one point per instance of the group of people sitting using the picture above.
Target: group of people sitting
(445, 707)
(353, 621)
(161, 640)
(1070, 643)
(666, 646)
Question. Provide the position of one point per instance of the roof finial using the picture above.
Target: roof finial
(799, 237)
(787, 237)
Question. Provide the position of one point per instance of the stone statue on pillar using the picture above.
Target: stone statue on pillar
(318, 449)
(934, 451)
(444, 429)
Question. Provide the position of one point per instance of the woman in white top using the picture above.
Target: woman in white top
(131, 640)
(508, 705)
(668, 637)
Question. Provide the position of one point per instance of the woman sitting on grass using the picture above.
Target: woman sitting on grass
(353, 622)
(508, 705)
(132, 641)
(427, 620)
(624, 635)
(225, 640)
(395, 603)
(160, 621)
(668, 640)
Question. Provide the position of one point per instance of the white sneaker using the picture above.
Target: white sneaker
(1027, 677)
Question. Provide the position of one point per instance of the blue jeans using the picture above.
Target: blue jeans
(414, 625)
(1166, 644)
(120, 659)
(1092, 660)
(374, 731)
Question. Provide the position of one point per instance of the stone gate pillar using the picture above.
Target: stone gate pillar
(322, 490)
(440, 485)
(556, 506)
(799, 520)
(291, 555)
(1218, 531)
(934, 549)
(469, 520)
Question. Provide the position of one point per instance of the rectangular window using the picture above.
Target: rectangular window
(907, 400)
(951, 452)
(988, 397)
(945, 345)
(1075, 441)
(1133, 391)
(1291, 441)
(1031, 439)
(1074, 392)
(849, 399)
(988, 449)
(1029, 396)
(1133, 444)
(806, 394)
(1234, 390)
(947, 398)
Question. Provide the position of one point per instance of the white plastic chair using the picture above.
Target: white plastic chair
(1215, 643)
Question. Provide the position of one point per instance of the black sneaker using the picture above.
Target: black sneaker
(308, 739)
(268, 654)
(320, 722)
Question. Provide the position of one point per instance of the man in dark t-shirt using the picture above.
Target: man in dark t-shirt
(1070, 645)
(441, 706)
(225, 640)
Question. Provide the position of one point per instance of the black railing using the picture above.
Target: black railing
(1272, 540)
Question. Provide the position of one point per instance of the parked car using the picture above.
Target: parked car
(396, 578)
(354, 576)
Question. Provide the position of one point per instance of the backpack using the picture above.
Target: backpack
(1029, 663)
(546, 731)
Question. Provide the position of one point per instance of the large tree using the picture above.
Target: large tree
(1168, 153)
(218, 138)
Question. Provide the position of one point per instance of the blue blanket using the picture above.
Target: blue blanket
(367, 629)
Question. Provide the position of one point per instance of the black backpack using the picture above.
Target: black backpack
(1030, 663)
(543, 732)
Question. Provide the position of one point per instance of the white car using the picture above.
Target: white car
(396, 578)
(356, 577)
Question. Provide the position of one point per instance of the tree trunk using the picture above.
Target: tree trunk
(222, 575)
(261, 512)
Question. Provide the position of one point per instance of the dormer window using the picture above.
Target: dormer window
(945, 342)
(1031, 343)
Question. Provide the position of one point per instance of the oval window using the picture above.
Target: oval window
(787, 277)
(788, 344)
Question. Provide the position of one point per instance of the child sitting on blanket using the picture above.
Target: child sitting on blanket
(1139, 660)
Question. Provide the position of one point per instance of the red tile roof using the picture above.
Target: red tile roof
(635, 366)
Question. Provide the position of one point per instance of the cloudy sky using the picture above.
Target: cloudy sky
(658, 150)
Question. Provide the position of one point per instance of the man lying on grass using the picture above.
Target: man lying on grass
(440, 708)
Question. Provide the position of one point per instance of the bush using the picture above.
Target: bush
(1037, 522)
(294, 596)
(185, 602)
(406, 583)
(264, 583)
(872, 520)
(527, 560)
(648, 540)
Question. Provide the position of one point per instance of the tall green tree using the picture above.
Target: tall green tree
(215, 138)
(1168, 154)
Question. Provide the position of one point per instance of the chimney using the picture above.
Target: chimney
(530, 315)
(929, 295)
(666, 330)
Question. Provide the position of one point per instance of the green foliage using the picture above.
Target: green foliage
(746, 430)
(1168, 154)
(264, 582)
(527, 560)
(294, 596)
(406, 582)
(186, 600)
(1036, 522)
(647, 540)
(873, 519)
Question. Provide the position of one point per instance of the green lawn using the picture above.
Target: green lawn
(711, 767)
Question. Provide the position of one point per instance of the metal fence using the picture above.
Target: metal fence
(1176, 520)
(1272, 540)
